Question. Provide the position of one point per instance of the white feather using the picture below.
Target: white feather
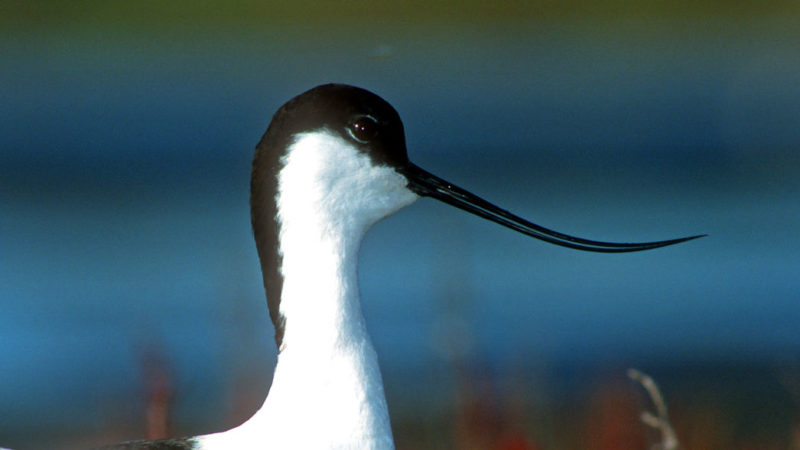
(327, 390)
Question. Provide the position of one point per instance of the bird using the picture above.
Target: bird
(333, 162)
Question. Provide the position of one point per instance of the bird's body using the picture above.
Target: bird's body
(332, 163)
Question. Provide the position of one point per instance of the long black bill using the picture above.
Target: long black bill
(426, 184)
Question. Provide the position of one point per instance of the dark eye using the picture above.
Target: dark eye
(363, 129)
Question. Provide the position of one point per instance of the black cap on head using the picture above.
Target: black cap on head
(358, 115)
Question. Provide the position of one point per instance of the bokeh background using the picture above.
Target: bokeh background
(131, 302)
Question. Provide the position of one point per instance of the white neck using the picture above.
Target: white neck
(327, 390)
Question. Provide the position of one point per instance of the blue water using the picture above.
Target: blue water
(124, 220)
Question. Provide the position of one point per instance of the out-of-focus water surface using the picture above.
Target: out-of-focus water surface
(129, 281)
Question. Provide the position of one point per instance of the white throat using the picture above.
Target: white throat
(327, 390)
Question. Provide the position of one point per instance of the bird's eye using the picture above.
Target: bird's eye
(363, 129)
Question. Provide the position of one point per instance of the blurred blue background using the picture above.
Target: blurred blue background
(128, 271)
